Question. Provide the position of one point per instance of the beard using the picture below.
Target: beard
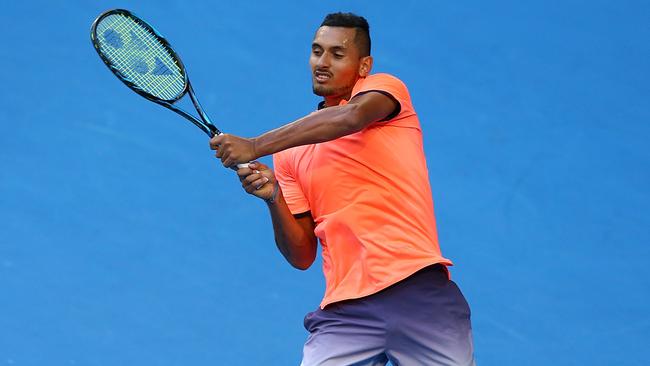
(324, 91)
(329, 91)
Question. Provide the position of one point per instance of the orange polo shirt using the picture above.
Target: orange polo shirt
(370, 198)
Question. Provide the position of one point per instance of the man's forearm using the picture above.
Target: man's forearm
(324, 125)
(295, 240)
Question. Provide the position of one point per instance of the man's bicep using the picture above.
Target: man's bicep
(375, 106)
(306, 222)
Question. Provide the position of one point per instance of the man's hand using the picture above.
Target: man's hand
(233, 150)
(258, 180)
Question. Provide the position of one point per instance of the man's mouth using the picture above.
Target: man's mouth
(322, 76)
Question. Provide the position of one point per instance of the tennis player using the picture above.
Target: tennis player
(353, 175)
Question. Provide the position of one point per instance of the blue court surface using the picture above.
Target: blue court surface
(124, 242)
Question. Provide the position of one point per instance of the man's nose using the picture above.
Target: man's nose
(323, 61)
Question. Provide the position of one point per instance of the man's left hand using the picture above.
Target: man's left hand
(233, 150)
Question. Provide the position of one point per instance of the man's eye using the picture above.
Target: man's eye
(339, 55)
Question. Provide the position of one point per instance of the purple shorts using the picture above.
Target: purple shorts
(422, 320)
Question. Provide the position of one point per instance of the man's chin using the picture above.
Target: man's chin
(322, 91)
(330, 91)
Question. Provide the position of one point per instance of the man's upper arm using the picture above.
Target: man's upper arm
(374, 106)
(306, 222)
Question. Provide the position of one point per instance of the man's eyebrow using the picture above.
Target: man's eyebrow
(333, 48)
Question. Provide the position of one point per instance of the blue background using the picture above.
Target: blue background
(123, 241)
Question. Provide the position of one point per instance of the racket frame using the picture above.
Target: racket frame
(204, 124)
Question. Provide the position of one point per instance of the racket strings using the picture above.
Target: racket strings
(144, 43)
(141, 42)
(140, 57)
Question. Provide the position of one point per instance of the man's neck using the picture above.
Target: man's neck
(331, 101)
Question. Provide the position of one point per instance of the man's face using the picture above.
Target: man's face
(334, 61)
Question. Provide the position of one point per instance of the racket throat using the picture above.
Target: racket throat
(213, 130)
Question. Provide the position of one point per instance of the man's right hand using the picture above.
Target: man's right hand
(258, 179)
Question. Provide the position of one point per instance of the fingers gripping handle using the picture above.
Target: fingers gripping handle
(239, 166)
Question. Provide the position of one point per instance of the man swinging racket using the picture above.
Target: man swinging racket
(353, 175)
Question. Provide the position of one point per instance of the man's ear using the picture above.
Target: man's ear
(365, 66)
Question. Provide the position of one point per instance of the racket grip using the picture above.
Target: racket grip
(239, 166)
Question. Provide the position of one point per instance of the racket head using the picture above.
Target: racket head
(139, 56)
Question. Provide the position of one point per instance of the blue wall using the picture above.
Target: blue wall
(123, 242)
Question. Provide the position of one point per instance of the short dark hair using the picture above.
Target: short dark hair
(349, 20)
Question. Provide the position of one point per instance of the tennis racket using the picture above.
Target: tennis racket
(145, 61)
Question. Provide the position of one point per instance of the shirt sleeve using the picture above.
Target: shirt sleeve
(392, 87)
(291, 189)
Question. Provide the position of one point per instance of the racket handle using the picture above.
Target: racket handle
(244, 165)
